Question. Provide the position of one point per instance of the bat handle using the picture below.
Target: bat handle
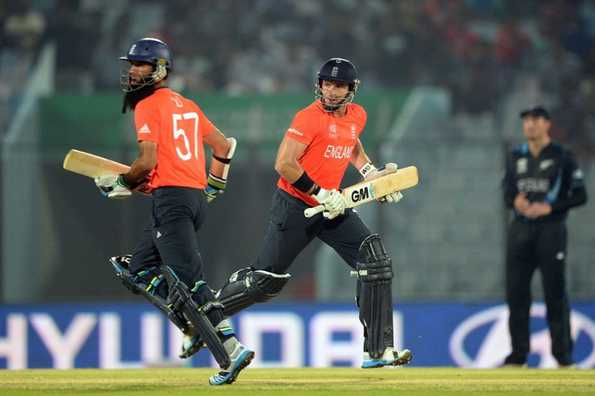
(310, 212)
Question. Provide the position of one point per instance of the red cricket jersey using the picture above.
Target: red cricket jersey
(178, 126)
(330, 141)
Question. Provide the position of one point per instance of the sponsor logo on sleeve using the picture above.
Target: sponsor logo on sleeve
(295, 132)
(144, 129)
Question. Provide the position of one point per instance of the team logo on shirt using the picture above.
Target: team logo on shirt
(545, 164)
(144, 129)
(521, 165)
(332, 131)
(353, 132)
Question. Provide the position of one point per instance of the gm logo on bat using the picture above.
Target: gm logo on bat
(362, 193)
(489, 327)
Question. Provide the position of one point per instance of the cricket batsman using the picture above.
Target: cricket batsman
(320, 143)
(166, 266)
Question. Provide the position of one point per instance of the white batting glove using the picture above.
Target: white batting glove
(333, 202)
(370, 172)
(113, 186)
(392, 197)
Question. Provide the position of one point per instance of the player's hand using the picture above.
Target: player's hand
(215, 187)
(113, 186)
(333, 202)
(522, 204)
(538, 209)
(375, 173)
(387, 169)
(393, 197)
(144, 188)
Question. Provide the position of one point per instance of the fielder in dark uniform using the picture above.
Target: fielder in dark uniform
(542, 182)
(166, 266)
(321, 142)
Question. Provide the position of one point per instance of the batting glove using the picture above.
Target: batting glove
(333, 202)
(113, 186)
(370, 172)
(215, 187)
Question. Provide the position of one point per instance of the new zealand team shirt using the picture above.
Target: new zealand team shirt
(553, 177)
(178, 126)
(330, 143)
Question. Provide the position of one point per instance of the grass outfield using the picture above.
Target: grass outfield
(336, 381)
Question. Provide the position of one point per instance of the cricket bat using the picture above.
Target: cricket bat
(366, 191)
(92, 165)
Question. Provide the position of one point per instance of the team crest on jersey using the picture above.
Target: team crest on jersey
(521, 165)
(353, 132)
(332, 131)
(545, 164)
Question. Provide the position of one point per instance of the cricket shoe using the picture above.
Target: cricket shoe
(390, 357)
(240, 359)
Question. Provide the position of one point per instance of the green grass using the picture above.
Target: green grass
(340, 382)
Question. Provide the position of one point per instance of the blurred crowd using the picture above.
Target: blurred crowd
(475, 48)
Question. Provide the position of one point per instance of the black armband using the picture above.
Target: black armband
(304, 183)
(223, 160)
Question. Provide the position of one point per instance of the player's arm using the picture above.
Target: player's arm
(288, 167)
(361, 161)
(142, 166)
(513, 198)
(222, 149)
(509, 188)
(359, 158)
(286, 163)
(572, 193)
(121, 186)
(574, 184)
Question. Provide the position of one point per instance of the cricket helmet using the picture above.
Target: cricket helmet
(341, 70)
(148, 50)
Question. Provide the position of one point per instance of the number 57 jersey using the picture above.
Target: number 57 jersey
(177, 125)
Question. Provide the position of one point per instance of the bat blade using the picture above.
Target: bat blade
(367, 191)
(92, 165)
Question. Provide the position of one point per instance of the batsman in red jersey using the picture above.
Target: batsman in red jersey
(166, 266)
(321, 142)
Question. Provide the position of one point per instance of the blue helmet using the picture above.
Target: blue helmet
(152, 51)
(341, 70)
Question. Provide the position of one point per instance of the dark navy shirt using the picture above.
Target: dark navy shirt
(553, 177)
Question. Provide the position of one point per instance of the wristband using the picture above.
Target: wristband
(304, 183)
(366, 169)
(122, 181)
